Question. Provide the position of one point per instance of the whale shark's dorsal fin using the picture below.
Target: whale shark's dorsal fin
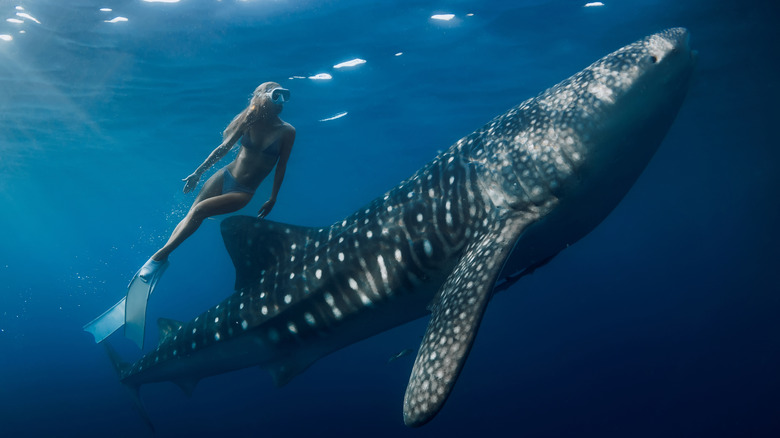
(258, 248)
(456, 315)
(256, 245)
(167, 327)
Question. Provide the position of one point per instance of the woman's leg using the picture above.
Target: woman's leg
(210, 202)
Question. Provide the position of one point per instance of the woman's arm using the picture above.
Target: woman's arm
(217, 154)
(281, 167)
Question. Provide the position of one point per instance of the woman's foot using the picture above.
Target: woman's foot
(150, 268)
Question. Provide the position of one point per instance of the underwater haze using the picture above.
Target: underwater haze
(663, 321)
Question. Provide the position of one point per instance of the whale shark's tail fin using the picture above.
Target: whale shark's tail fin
(121, 368)
(258, 246)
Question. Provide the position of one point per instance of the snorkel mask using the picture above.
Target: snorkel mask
(279, 95)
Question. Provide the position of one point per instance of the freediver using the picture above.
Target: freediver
(266, 141)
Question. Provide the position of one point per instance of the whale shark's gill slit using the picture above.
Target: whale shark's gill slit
(452, 178)
(401, 239)
(448, 217)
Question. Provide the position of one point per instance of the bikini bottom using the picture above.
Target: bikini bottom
(230, 185)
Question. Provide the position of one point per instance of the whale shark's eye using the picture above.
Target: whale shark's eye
(653, 59)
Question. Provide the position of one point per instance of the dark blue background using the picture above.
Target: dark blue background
(662, 322)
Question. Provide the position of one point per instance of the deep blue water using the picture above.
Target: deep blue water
(662, 322)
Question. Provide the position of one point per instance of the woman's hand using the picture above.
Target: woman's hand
(191, 182)
(266, 208)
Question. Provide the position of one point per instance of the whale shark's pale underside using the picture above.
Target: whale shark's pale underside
(496, 205)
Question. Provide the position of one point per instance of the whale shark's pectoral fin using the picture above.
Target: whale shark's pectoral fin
(455, 318)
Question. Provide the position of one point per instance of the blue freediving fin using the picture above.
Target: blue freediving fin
(107, 323)
(110, 321)
(135, 306)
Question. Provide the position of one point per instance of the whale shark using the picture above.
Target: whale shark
(498, 204)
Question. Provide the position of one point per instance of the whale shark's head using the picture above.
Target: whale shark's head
(657, 66)
(661, 63)
(633, 94)
(623, 106)
(592, 133)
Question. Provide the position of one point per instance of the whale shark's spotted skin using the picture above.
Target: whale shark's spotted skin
(496, 205)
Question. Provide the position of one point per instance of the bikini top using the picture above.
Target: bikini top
(271, 149)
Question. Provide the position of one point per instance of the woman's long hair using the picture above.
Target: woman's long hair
(249, 115)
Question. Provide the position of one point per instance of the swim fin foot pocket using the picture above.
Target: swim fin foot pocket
(149, 270)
